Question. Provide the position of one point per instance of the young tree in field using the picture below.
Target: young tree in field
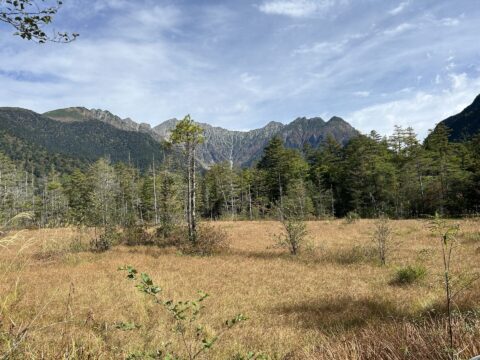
(383, 238)
(295, 232)
(30, 17)
(447, 235)
(189, 135)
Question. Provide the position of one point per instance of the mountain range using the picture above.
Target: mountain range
(76, 136)
(238, 147)
(242, 148)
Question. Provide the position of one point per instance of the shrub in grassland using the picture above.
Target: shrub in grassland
(294, 236)
(104, 241)
(210, 240)
(352, 217)
(409, 274)
(355, 255)
(136, 234)
(383, 236)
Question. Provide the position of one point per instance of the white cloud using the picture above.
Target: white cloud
(399, 8)
(299, 8)
(100, 5)
(421, 110)
(321, 48)
(329, 47)
(459, 81)
(399, 29)
(362, 93)
(450, 21)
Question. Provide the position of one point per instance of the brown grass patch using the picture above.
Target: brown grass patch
(309, 307)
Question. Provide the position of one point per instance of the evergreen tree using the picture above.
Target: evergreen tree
(189, 135)
(78, 193)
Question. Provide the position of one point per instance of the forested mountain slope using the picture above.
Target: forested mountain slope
(466, 124)
(26, 134)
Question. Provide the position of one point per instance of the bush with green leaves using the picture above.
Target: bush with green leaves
(106, 240)
(135, 234)
(295, 235)
(354, 255)
(176, 237)
(210, 240)
(409, 274)
(192, 336)
(352, 217)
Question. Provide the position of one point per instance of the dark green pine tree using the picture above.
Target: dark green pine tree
(78, 192)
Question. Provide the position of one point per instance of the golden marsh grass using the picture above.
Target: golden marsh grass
(330, 303)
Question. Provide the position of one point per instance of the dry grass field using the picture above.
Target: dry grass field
(332, 302)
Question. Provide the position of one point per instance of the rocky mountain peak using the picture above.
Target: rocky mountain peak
(241, 147)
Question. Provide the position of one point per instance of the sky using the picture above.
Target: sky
(240, 64)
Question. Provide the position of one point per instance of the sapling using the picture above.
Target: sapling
(295, 235)
(195, 340)
(383, 238)
(447, 234)
(295, 231)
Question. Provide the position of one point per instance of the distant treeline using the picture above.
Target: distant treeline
(396, 176)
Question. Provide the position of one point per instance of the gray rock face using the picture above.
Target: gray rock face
(242, 148)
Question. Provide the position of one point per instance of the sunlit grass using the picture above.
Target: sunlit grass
(332, 302)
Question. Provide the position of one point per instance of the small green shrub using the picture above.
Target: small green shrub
(175, 236)
(165, 231)
(295, 235)
(354, 255)
(106, 240)
(80, 241)
(135, 234)
(409, 274)
(77, 245)
(210, 240)
(352, 217)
